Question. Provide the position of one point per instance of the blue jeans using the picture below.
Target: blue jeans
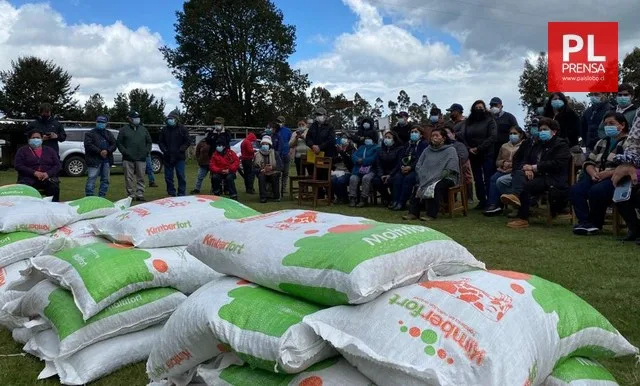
(591, 199)
(403, 186)
(202, 174)
(339, 186)
(150, 175)
(494, 191)
(504, 184)
(104, 171)
(168, 178)
(483, 168)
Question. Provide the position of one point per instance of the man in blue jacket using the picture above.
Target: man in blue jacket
(99, 145)
(281, 137)
(174, 141)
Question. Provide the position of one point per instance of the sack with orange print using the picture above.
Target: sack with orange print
(170, 221)
(328, 258)
(476, 328)
(36, 216)
(72, 236)
(580, 372)
(100, 274)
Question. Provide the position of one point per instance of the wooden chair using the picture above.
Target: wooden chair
(303, 176)
(571, 180)
(322, 163)
(454, 206)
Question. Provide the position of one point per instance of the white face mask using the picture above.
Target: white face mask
(218, 128)
(135, 121)
(366, 125)
(321, 118)
(495, 110)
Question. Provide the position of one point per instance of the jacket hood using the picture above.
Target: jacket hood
(371, 123)
(252, 137)
(441, 148)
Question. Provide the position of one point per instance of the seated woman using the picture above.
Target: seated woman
(438, 169)
(223, 165)
(504, 163)
(267, 165)
(628, 212)
(463, 153)
(405, 171)
(341, 173)
(593, 193)
(364, 160)
(39, 166)
(388, 158)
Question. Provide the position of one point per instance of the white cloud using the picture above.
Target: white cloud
(104, 59)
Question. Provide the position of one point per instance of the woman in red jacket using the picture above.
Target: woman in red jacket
(223, 165)
(247, 152)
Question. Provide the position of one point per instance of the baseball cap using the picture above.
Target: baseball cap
(495, 101)
(456, 107)
(403, 114)
(320, 111)
(281, 119)
(102, 119)
(219, 120)
(133, 114)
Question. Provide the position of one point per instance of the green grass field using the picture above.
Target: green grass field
(600, 269)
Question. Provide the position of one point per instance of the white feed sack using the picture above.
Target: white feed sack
(16, 246)
(36, 216)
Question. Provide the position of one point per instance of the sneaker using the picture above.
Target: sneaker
(518, 224)
(194, 191)
(362, 203)
(427, 218)
(410, 217)
(586, 229)
(153, 185)
(492, 210)
(510, 199)
(391, 205)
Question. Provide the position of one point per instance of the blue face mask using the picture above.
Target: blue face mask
(611, 131)
(388, 142)
(514, 138)
(595, 99)
(35, 142)
(101, 125)
(415, 137)
(540, 111)
(534, 132)
(219, 149)
(171, 122)
(265, 148)
(433, 118)
(368, 142)
(623, 101)
(344, 141)
(135, 121)
(545, 135)
(557, 104)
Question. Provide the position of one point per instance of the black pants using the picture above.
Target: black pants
(627, 210)
(230, 183)
(263, 180)
(383, 189)
(526, 189)
(300, 167)
(433, 204)
(51, 188)
(249, 176)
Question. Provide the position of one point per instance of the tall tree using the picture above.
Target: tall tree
(120, 109)
(361, 107)
(320, 97)
(378, 108)
(404, 101)
(228, 56)
(151, 110)
(31, 81)
(533, 83)
(94, 107)
(630, 69)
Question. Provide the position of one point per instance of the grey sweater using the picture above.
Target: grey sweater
(436, 164)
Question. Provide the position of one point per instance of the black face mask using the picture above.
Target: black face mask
(477, 114)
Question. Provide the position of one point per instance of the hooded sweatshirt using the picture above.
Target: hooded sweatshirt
(371, 132)
(368, 154)
(436, 164)
(247, 152)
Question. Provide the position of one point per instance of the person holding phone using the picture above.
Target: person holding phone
(52, 131)
(593, 193)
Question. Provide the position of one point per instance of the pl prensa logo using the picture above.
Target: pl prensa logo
(583, 57)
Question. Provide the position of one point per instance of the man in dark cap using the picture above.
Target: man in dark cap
(281, 137)
(218, 131)
(99, 145)
(402, 129)
(134, 142)
(52, 130)
(174, 141)
(457, 118)
(504, 121)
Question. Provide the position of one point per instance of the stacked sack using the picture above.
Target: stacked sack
(402, 304)
(101, 304)
(283, 268)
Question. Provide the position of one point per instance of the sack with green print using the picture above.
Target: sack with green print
(171, 221)
(100, 274)
(94, 207)
(229, 314)
(36, 216)
(19, 191)
(72, 236)
(580, 372)
(328, 258)
(131, 313)
(490, 328)
(16, 246)
(10, 276)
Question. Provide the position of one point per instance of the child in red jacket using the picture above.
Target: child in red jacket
(223, 165)
(247, 152)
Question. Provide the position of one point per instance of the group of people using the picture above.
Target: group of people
(410, 166)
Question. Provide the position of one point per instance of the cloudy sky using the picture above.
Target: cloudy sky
(453, 51)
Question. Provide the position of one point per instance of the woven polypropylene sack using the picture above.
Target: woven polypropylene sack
(37, 216)
(476, 328)
(580, 372)
(328, 258)
(19, 191)
(94, 207)
(16, 246)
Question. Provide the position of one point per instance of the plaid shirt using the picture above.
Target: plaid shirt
(632, 152)
(604, 159)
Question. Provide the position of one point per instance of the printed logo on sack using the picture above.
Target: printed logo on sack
(222, 245)
(33, 227)
(292, 223)
(3, 276)
(258, 218)
(175, 360)
(392, 234)
(7, 204)
(583, 57)
(168, 227)
(171, 203)
(5, 240)
(140, 212)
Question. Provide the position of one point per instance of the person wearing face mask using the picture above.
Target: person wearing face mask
(342, 165)
(53, 131)
(457, 117)
(364, 160)
(99, 145)
(504, 165)
(268, 167)
(438, 169)
(174, 141)
(593, 192)
(480, 134)
(466, 173)
(321, 138)
(403, 128)
(281, 137)
(558, 109)
(405, 171)
(223, 166)
(203, 158)
(366, 127)
(218, 131)
(39, 166)
(592, 117)
(247, 154)
(504, 122)
(388, 158)
(545, 169)
(624, 105)
(134, 142)
(436, 120)
(299, 147)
